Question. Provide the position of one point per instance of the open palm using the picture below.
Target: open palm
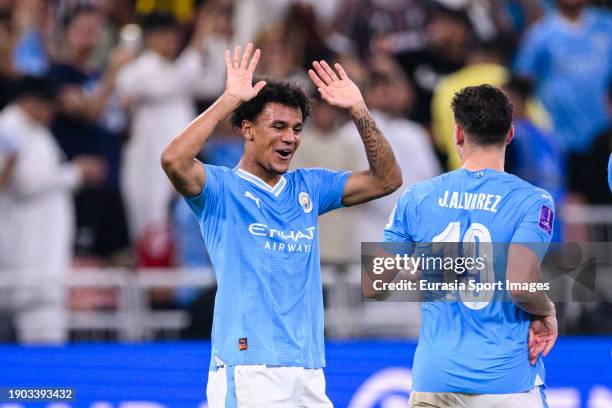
(240, 73)
(336, 89)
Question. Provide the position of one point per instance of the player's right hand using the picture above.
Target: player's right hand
(543, 333)
(240, 73)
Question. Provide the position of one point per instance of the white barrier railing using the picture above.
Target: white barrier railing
(133, 319)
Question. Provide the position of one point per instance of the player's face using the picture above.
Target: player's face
(276, 137)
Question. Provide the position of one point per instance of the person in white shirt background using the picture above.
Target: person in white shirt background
(37, 223)
(158, 87)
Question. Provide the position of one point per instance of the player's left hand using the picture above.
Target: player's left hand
(336, 89)
(543, 333)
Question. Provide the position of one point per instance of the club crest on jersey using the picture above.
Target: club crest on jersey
(305, 202)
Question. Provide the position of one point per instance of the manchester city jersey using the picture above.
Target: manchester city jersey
(264, 247)
(474, 347)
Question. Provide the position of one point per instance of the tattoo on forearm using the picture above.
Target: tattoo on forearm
(379, 152)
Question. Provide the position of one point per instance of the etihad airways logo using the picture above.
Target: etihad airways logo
(263, 230)
(284, 241)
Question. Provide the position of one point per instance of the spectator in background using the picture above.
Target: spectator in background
(534, 155)
(485, 65)
(8, 73)
(304, 34)
(80, 127)
(217, 36)
(322, 146)
(590, 184)
(31, 53)
(366, 27)
(522, 14)
(390, 96)
(254, 16)
(158, 87)
(569, 56)
(37, 223)
(279, 59)
(488, 18)
(448, 37)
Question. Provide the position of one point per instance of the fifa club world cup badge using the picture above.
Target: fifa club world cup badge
(546, 219)
(243, 344)
(305, 202)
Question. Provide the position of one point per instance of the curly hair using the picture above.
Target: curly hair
(484, 112)
(281, 92)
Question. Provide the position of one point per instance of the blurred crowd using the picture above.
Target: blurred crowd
(91, 91)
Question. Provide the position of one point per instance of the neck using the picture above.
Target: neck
(484, 158)
(251, 166)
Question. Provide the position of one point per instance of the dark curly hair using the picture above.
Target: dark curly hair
(484, 112)
(281, 92)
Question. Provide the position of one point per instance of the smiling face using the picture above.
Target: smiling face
(273, 138)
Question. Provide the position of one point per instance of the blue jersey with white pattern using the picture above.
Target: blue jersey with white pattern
(464, 347)
(264, 247)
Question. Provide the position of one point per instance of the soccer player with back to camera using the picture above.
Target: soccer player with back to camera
(259, 223)
(481, 353)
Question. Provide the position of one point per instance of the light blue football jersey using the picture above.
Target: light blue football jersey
(264, 247)
(464, 347)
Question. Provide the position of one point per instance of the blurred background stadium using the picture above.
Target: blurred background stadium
(104, 282)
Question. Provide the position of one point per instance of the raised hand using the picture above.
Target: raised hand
(239, 82)
(336, 89)
(543, 333)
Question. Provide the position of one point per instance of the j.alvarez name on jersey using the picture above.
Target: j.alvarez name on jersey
(284, 241)
(470, 201)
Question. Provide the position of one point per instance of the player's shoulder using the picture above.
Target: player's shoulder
(525, 194)
(221, 174)
(306, 173)
(544, 28)
(417, 192)
(599, 17)
(219, 169)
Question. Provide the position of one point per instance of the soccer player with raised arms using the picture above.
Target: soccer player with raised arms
(481, 353)
(259, 223)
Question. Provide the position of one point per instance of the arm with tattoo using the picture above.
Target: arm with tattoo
(383, 176)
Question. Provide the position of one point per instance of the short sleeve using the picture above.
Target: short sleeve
(396, 227)
(330, 187)
(535, 229)
(203, 203)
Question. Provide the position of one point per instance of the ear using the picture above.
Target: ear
(459, 135)
(247, 130)
(510, 135)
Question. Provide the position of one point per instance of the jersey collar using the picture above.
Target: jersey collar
(276, 190)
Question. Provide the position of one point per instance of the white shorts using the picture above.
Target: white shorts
(260, 386)
(531, 399)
